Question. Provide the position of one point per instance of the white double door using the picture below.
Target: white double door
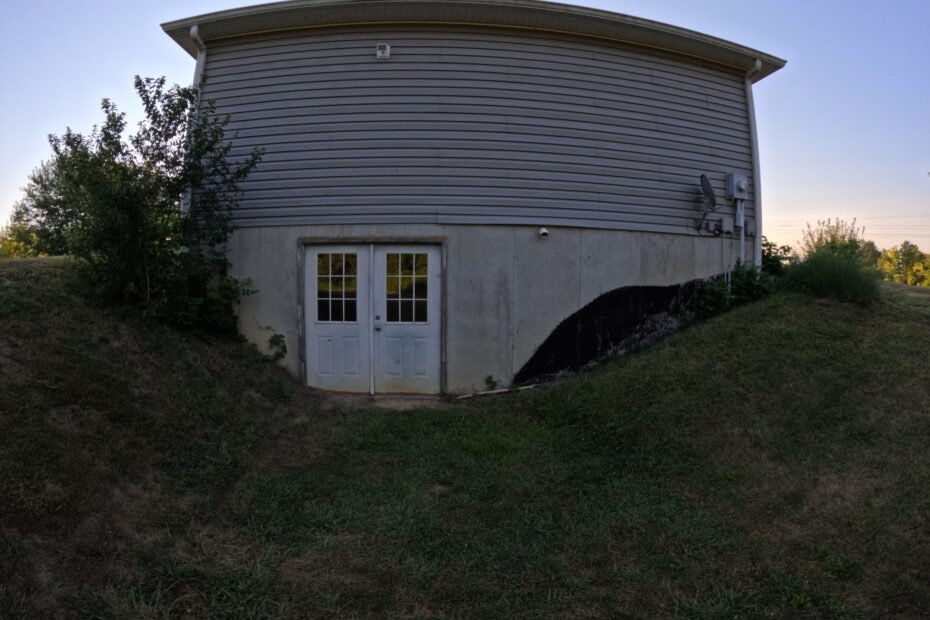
(373, 320)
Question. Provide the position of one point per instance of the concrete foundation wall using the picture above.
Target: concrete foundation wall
(506, 289)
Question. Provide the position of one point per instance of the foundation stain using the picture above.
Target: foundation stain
(618, 322)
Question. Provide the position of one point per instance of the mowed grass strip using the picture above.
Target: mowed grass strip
(770, 462)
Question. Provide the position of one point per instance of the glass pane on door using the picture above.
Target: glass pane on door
(337, 287)
(406, 287)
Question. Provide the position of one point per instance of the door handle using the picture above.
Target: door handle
(377, 324)
(378, 327)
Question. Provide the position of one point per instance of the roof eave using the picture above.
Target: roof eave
(523, 14)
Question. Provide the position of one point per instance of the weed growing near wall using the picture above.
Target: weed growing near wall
(746, 284)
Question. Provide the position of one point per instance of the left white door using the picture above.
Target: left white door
(338, 316)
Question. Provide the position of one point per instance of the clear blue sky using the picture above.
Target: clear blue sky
(844, 128)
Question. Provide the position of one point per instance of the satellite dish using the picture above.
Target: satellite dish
(708, 198)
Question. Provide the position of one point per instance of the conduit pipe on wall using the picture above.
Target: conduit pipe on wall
(198, 78)
(756, 168)
(725, 259)
(741, 219)
(201, 56)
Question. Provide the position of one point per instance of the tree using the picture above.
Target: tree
(889, 265)
(869, 253)
(43, 212)
(775, 258)
(905, 264)
(920, 273)
(124, 221)
(17, 240)
(912, 260)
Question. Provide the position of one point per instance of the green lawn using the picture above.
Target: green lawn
(770, 462)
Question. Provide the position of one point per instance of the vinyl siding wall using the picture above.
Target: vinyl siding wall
(475, 126)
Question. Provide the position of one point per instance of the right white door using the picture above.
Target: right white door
(407, 328)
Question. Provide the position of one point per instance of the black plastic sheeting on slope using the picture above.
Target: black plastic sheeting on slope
(620, 321)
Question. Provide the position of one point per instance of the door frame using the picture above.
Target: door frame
(304, 242)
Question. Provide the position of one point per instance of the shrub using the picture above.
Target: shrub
(839, 236)
(746, 284)
(134, 242)
(839, 275)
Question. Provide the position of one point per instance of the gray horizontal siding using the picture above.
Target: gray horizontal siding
(490, 77)
(444, 40)
(310, 109)
(501, 69)
(468, 125)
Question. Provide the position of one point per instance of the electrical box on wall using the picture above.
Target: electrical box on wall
(383, 51)
(737, 186)
(719, 225)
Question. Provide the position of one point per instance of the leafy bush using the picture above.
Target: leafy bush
(134, 242)
(838, 236)
(840, 275)
(746, 284)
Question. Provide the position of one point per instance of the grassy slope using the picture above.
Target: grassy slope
(770, 462)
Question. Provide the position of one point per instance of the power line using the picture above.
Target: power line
(874, 217)
(889, 235)
(868, 229)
